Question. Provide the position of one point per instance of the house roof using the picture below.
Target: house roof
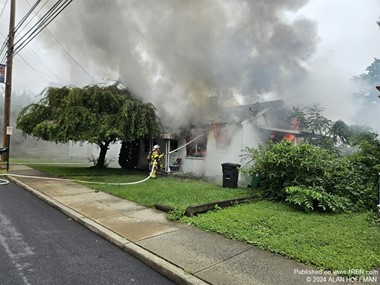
(276, 110)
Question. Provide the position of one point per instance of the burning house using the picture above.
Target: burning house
(200, 150)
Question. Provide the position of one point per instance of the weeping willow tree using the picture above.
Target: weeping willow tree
(95, 114)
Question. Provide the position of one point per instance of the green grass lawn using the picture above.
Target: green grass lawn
(333, 242)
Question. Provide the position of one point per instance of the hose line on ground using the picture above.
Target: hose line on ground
(4, 182)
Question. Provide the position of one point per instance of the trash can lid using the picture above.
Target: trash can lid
(229, 164)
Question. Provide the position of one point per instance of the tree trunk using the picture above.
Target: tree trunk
(102, 155)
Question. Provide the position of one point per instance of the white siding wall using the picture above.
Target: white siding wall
(81, 150)
(240, 137)
(216, 156)
(190, 165)
(112, 156)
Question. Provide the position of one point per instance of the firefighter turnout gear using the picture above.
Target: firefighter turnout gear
(155, 161)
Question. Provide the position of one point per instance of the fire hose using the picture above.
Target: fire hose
(4, 181)
(170, 152)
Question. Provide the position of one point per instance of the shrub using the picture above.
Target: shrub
(94, 160)
(346, 179)
(283, 165)
(314, 200)
(314, 178)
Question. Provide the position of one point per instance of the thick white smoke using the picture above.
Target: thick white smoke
(178, 54)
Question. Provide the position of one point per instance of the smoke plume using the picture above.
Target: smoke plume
(179, 54)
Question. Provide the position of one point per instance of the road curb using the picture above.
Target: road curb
(164, 267)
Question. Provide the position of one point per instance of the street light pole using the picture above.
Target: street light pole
(8, 82)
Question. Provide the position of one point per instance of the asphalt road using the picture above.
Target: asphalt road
(40, 245)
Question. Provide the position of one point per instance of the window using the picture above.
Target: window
(148, 144)
(197, 148)
(221, 134)
(77, 144)
(221, 138)
(173, 145)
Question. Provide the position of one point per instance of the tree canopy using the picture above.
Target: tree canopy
(97, 114)
(367, 82)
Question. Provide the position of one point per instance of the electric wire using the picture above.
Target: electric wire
(36, 26)
(67, 52)
(19, 25)
(35, 14)
(36, 29)
(72, 58)
(35, 70)
(46, 67)
(3, 45)
(26, 16)
(2, 10)
(46, 19)
(5, 41)
(52, 14)
(63, 48)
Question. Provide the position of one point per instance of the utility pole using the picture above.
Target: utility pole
(8, 82)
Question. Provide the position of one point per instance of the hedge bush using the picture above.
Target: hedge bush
(311, 177)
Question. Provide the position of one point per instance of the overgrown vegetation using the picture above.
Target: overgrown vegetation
(335, 168)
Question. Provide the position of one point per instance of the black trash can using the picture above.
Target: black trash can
(230, 174)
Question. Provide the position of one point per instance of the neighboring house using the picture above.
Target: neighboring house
(83, 150)
(31, 147)
(219, 142)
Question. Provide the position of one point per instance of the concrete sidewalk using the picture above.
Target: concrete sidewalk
(183, 253)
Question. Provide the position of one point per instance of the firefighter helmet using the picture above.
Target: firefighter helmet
(156, 147)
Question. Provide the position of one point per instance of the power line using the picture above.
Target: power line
(46, 19)
(36, 13)
(2, 10)
(5, 41)
(38, 59)
(35, 28)
(26, 16)
(85, 71)
(67, 52)
(18, 26)
(35, 71)
(41, 24)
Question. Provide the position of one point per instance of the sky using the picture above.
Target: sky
(179, 54)
(350, 37)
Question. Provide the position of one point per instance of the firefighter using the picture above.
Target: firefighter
(155, 161)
